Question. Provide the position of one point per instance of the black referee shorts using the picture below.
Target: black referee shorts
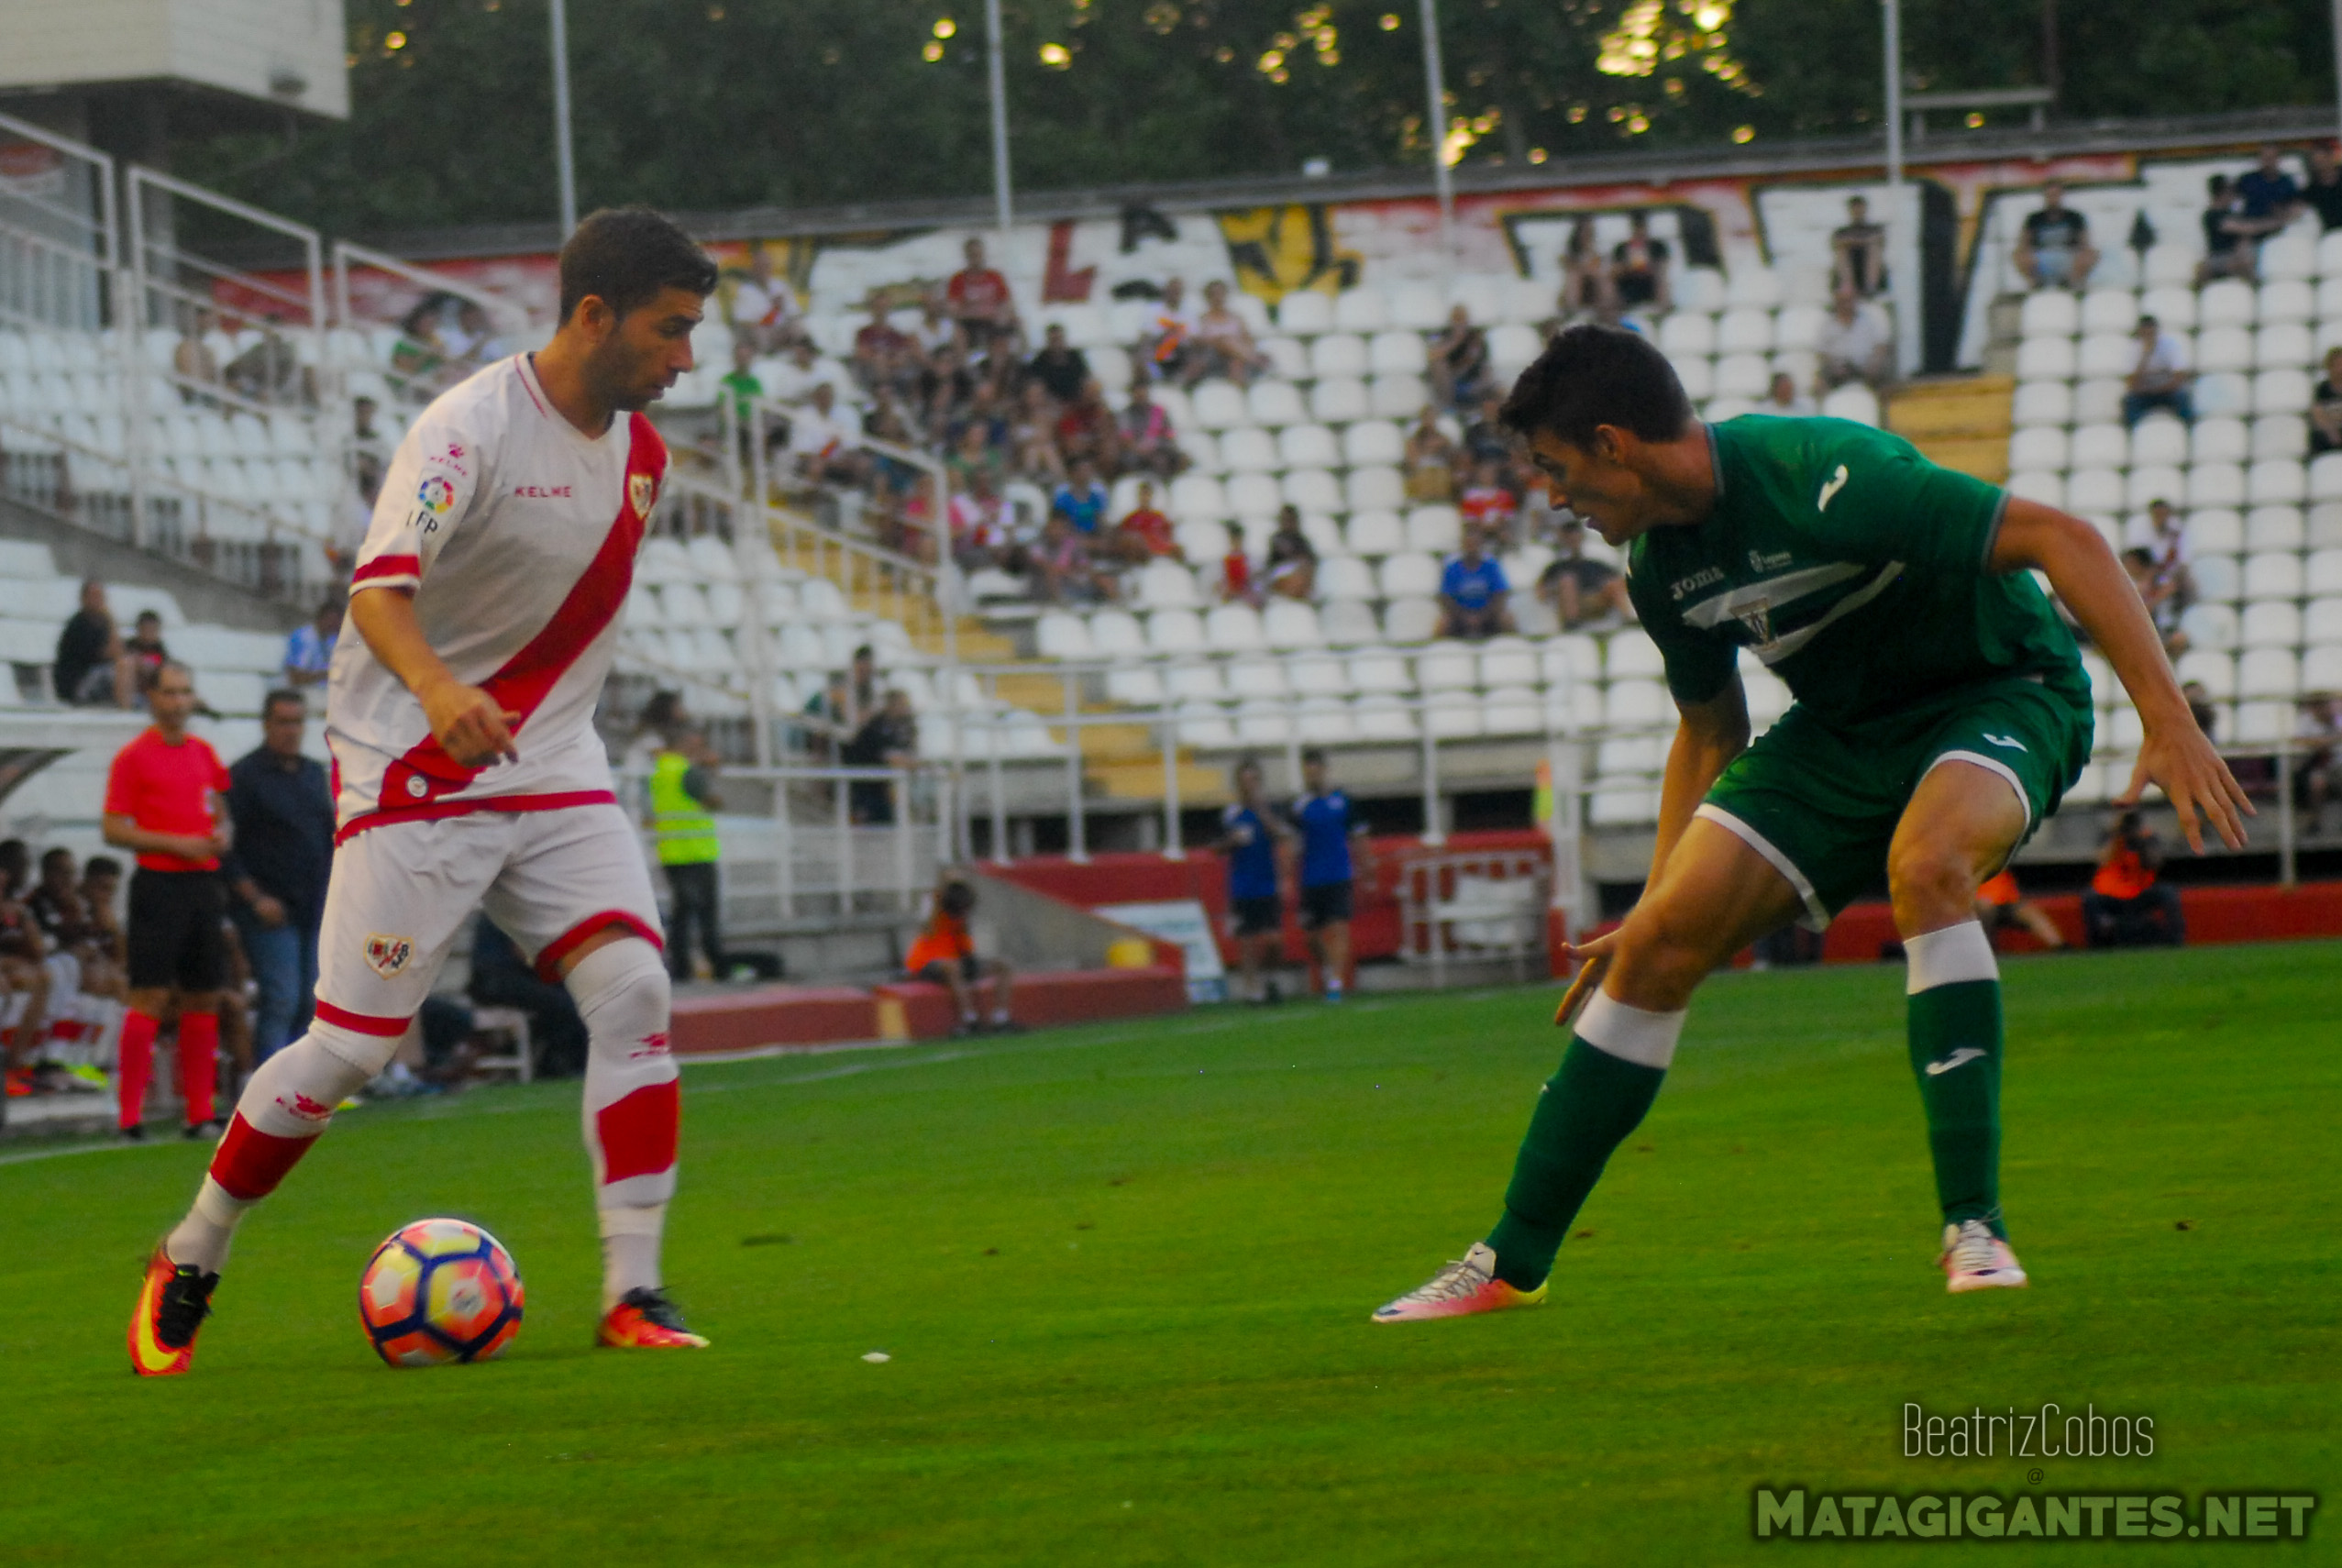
(174, 936)
(1324, 904)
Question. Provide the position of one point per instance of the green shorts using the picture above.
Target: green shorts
(1821, 804)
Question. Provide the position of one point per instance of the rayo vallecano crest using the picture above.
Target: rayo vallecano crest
(640, 491)
(388, 955)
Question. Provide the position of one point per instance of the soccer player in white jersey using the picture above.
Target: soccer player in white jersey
(486, 599)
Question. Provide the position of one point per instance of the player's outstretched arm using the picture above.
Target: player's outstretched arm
(471, 726)
(2175, 753)
(1708, 737)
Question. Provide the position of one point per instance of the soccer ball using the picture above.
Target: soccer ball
(439, 1290)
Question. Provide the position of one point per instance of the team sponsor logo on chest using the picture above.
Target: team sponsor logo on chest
(543, 491)
(387, 956)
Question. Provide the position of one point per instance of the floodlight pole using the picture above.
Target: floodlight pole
(1435, 89)
(1893, 51)
(996, 71)
(565, 160)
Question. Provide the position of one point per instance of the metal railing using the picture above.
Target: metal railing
(1478, 908)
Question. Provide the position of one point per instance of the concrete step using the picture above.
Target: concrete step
(1987, 457)
(1110, 744)
(1042, 692)
(1198, 785)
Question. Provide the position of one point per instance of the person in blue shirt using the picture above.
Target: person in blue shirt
(310, 650)
(1473, 591)
(1334, 853)
(2269, 196)
(1081, 499)
(1253, 838)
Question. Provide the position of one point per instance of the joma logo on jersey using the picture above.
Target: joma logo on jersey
(1694, 582)
(386, 955)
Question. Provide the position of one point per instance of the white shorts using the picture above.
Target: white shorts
(401, 891)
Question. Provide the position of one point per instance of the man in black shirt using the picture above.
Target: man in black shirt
(2054, 251)
(889, 738)
(1061, 369)
(283, 811)
(2323, 194)
(1638, 267)
(89, 668)
(2326, 407)
(2226, 230)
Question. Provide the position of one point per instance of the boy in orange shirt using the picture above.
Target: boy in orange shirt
(945, 955)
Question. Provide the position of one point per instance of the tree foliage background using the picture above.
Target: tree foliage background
(701, 104)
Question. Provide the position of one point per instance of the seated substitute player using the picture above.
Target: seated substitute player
(486, 600)
(1942, 711)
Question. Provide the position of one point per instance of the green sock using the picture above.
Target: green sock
(1956, 1055)
(1586, 1108)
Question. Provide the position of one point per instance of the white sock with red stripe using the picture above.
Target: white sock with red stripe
(633, 1106)
(284, 1105)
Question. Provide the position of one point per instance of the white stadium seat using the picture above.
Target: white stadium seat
(1338, 400)
(1372, 441)
(1338, 354)
(1375, 490)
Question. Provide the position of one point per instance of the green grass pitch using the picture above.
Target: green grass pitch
(1123, 1276)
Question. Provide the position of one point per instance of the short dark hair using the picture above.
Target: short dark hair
(1310, 754)
(1593, 375)
(102, 866)
(283, 694)
(51, 855)
(625, 256)
(2139, 557)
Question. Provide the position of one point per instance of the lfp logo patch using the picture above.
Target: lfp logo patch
(388, 955)
(437, 494)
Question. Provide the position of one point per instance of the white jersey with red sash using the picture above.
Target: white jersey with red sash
(516, 533)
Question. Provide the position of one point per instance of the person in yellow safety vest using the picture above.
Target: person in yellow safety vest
(682, 800)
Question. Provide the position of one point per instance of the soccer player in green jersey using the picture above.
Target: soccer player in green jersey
(1942, 711)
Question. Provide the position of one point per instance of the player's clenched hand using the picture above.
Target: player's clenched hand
(471, 726)
(1592, 962)
(2194, 778)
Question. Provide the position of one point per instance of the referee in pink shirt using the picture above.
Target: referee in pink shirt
(166, 801)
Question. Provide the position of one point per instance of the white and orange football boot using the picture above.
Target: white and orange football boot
(647, 1320)
(1467, 1285)
(172, 1304)
(1976, 1259)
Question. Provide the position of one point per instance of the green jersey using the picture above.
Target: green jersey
(1853, 566)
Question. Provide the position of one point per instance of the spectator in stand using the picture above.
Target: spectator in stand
(945, 386)
(973, 453)
(740, 383)
(2229, 243)
(1146, 533)
(1999, 905)
(2053, 249)
(501, 978)
(764, 307)
(888, 739)
(1144, 437)
(1255, 838)
(1429, 459)
(945, 955)
(1855, 345)
(1459, 360)
(884, 357)
(2126, 904)
(2317, 756)
(793, 378)
(2166, 541)
(165, 801)
(23, 969)
(1065, 568)
(1858, 252)
(1783, 399)
(2323, 194)
(865, 695)
(1165, 343)
(1236, 584)
(1583, 593)
(146, 652)
(1474, 591)
(106, 951)
(1291, 562)
(2160, 377)
(979, 523)
(474, 340)
(1639, 278)
(1061, 368)
(1033, 437)
(2268, 198)
(2326, 407)
(1221, 345)
(1082, 500)
(979, 300)
(822, 441)
(1585, 278)
(829, 715)
(936, 328)
(193, 361)
(1489, 505)
(2160, 597)
(309, 651)
(1087, 431)
(282, 812)
(1486, 440)
(91, 668)
(364, 434)
(2200, 708)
